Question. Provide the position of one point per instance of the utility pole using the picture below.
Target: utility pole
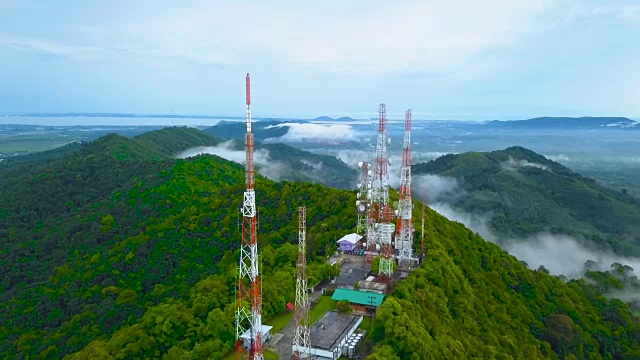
(371, 299)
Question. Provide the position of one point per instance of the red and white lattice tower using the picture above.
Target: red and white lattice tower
(249, 318)
(424, 205)
(301, 336)
(381, 227)
(404, 238)
(362, 202)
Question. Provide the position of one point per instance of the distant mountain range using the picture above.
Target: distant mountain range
(524, 193)
(568, 123)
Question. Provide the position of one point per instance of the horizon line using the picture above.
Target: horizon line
(276, 117)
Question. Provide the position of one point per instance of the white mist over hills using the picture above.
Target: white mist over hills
(298, 132)
(560, 254)
(269, 167)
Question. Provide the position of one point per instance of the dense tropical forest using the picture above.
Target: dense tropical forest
(524, 193)
(116, 250)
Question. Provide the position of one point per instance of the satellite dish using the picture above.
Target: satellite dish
(389, 141)
(369, 196)
(361, 207)
(359, 164)
(377, 247)
(369, 172)
(369, 185)
(358, 203)
(396, 212)
(359, 185)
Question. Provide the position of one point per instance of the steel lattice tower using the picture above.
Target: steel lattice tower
(381, 227)
(424, 204)
(301, 336)
(249, 283)
(404, 240)
(363, 199)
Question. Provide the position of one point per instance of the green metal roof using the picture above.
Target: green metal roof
(358, 297)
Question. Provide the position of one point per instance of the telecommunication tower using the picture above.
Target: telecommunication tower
(424, 205)
(363, 198)
(404, 240)
(249, 319)
(380, 228)
(301, 337)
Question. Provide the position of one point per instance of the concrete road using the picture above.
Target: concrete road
(353, 269)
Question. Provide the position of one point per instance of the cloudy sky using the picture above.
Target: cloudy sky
(448, 60)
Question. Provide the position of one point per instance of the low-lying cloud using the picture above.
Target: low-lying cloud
(560, 254)
(514, 164)
(353, 157)
(266, 166)
(316, 132)
(438, 189)
(558, 158)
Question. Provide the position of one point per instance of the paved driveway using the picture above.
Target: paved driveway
(353, 269)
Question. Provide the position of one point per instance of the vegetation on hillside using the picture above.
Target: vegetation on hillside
(40, 200)
(470, 299)
(157, 249)
(142, 264)
(524, 193)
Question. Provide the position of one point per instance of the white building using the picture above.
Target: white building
(330, 333)
(266, 335)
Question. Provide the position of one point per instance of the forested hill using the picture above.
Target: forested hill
(49, 188)
(299, 165)
(146, 270)
(524, 193)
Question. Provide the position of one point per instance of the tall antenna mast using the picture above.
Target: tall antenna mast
(381, 228)
(301, 337)
(404, 241)
(249, 321)
(424, 205)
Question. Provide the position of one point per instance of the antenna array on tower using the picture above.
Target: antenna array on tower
(380, 226)
(404, 241)
(364, 194)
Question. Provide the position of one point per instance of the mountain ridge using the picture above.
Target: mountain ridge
(586, 122)
(525, 193)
